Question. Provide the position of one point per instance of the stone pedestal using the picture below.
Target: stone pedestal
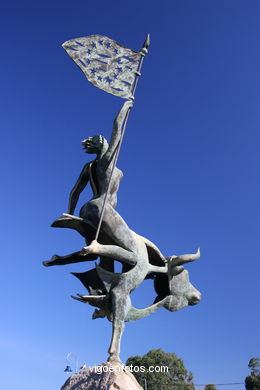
(106, 376)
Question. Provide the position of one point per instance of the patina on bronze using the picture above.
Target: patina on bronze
(106, 233)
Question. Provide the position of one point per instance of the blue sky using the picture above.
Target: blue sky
(191, 178)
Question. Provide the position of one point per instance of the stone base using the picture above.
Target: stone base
(107, 376)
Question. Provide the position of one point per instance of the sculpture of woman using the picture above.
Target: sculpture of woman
(114, 229)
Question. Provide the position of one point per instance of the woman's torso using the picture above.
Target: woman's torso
(99, 179)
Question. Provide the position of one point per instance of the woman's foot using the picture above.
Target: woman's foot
(90, 249)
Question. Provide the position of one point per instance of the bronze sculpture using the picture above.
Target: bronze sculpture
(106, 233)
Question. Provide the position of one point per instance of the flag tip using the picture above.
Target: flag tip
(147, 42)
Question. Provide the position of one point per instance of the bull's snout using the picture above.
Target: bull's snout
(194, 298)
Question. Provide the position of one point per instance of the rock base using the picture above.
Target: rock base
(106, 376)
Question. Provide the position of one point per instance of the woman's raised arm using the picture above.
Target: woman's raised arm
(117, 128)
(78, 188)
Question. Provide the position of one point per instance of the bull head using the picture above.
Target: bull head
(182, 292)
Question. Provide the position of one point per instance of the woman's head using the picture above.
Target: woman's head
(95, 145)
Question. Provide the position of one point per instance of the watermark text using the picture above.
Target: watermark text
(99, 369)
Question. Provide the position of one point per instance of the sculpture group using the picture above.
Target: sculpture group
(107, 235)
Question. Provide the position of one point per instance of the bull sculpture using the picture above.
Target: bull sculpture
(171, 283)
(110, 292)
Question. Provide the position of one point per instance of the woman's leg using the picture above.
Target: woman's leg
(112, 251)
(116, 228)
(120, 243)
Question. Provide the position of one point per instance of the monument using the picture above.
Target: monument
(116, 70)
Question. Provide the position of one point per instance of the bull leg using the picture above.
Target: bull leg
(169, 269)
(114, 349)
(76, 257)
(155, 268)
(120, 306)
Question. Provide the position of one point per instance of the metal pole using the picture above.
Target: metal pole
(144, 51)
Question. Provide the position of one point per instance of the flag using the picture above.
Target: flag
(105, 63)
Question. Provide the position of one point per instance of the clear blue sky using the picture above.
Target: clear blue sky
(191, 164)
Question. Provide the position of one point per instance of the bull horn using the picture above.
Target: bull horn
(183, 259)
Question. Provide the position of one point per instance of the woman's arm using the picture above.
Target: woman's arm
(78, 188)
(117, 128)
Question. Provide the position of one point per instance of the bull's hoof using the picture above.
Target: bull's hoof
(114, 359)
(52, 261)
(98, 313)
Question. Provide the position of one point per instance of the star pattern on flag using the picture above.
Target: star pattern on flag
(105, 63)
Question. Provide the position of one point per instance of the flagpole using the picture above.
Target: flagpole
(143, 53)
